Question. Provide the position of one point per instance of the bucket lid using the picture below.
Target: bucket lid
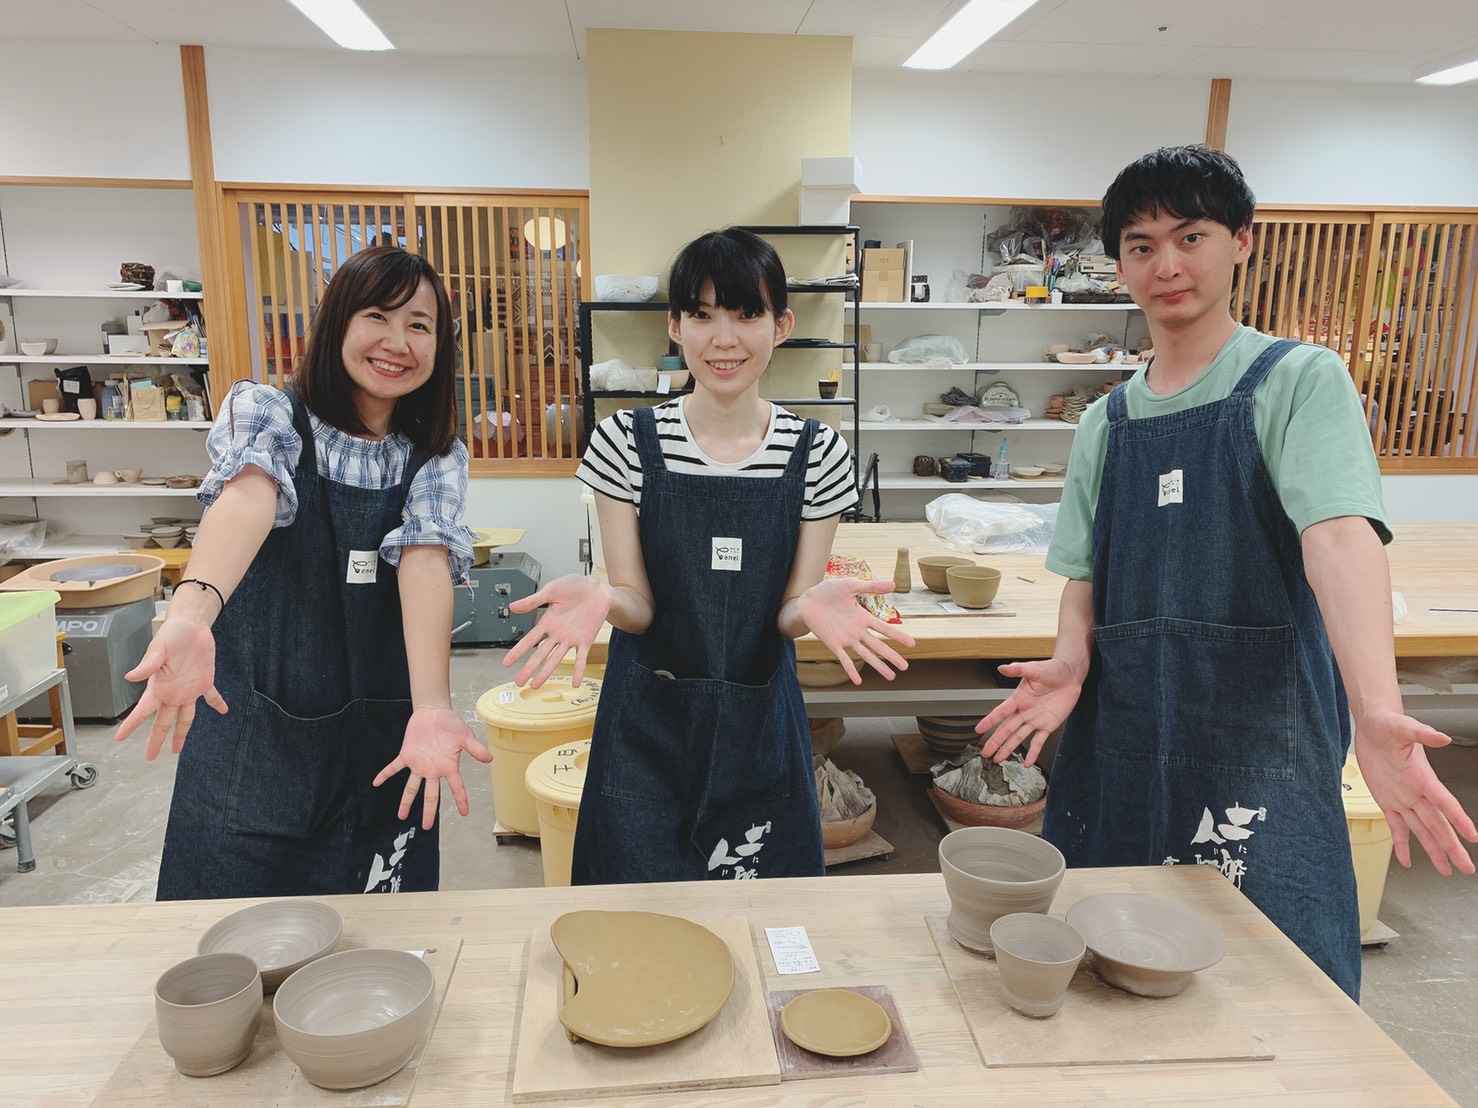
(555, 704)
(558, 776)
(1359, 804)
(16, 606)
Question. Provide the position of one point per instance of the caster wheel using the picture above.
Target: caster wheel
(84, 776)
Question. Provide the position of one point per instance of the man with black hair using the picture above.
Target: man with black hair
(1222, 533)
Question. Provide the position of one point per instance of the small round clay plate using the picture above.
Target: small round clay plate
(835, 1022)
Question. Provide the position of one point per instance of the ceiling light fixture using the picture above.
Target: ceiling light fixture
(1448, 74)
(976, 22)
(344, 21)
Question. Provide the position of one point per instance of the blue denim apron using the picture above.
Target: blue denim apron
(701, 762)
(274, 797)
(1213, 724)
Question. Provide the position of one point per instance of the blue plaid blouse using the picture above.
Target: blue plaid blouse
(264, 436)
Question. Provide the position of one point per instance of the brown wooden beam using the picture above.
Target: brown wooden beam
(1217, 109)
(220, 273)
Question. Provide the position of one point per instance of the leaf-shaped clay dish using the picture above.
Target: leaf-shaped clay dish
(640, 978)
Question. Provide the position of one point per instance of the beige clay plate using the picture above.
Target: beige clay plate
(639, 978)
(836, 1022)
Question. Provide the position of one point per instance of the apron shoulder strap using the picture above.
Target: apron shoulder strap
(800, 457)
(308, 456)
(648, 446)
(1261, 366)
(1118, 410)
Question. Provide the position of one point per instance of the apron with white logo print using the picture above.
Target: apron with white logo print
(1213, 725)
(274, 798)
(700, 766)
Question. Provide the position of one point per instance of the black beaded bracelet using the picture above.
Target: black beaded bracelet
(203, 586)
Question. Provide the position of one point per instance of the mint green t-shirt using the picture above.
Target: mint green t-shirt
(1310, 424)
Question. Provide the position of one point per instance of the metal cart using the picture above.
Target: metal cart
(22, 777)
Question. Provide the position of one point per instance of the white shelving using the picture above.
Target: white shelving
(95, 359)
(930, 423)
(14, 424)
(991, 306)
(939, 485)
(47, 488)
(101, 294)
(985, 367)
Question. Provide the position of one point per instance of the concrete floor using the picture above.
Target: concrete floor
(102, 846)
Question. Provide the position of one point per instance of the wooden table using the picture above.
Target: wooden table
(79, 984)
(1433, 565)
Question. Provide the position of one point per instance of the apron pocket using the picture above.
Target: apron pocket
(286, 770)
(1181, 693)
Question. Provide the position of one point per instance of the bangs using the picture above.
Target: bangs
(744, 270)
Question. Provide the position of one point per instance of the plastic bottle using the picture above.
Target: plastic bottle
(1003, 468)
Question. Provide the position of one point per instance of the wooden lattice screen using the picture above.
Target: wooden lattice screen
(1394, 295)
(511, 264)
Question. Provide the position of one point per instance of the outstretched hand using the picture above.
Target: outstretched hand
(578, 606)
(432, 751)
(1037, 706)
(180, 667)
(1391, 750)
(829, 609)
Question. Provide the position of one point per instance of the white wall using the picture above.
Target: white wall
(1360, 144)
(81, 109)
(393, 119)
(974, 134)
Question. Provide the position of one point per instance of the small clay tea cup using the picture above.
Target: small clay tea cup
(1037, 956)
(130, 475)
(208, 1009)
(933, 567)
(972, 586)
(105, 477)
(826, 389)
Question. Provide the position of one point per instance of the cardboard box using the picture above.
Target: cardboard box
(885, 287)
(878, 258)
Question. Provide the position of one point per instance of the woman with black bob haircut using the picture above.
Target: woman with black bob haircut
(717, 514)
(1188, 182)
(322, 580)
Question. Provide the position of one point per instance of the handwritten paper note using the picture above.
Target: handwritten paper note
(791, 948)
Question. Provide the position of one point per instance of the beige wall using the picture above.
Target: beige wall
(692, 131)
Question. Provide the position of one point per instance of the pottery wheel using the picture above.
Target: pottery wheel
(94, 574)
(639, 978)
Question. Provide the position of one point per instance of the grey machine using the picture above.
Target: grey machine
(480, 614)
(103, 644)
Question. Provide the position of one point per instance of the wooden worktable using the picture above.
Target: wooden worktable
(79, 985)
(1432, 565)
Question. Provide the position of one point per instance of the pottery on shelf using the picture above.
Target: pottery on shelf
(947, 736)
(837, 833)
(1037, 956)
(991, 872)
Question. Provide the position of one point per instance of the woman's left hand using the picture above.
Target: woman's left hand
(432, 750)
(829, 609)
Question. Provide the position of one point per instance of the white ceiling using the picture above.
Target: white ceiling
(1303, 40)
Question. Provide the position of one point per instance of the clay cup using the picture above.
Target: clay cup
(973, 586)
(990, 872)
(1037, 956)
(933, 567)
(208, 1009)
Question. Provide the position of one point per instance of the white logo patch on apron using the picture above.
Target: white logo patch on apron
(363, 565)
(1172, 488)
(727, 554)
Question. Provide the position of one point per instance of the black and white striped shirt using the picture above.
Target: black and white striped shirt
(611, 464)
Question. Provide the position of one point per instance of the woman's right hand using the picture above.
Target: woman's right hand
(578, 606)
(180, 666)
(1039, 705)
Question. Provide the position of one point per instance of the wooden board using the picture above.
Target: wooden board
(147, 1076)
(897, 1055)
(1097, 1024)
(917, 757)
(871, 845)
(736, 1049)
(924, 602)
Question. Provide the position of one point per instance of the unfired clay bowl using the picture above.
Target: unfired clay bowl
(973, 586)
(356, 1017)
(280, 936)
(991, 872)
(932, 567)
(1146, 945)
(208, 1010)
(1037, 956)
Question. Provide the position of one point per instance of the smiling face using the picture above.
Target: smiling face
(1180, 270)
(727, 349)
(388, 353)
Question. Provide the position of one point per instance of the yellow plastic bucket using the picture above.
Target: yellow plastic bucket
(1370, 842)
(555, 779)
(523, 722)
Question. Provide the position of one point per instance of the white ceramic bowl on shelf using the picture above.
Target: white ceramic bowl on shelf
(625, 286)
(38, 347)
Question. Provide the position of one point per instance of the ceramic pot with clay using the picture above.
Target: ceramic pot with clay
(990, 872)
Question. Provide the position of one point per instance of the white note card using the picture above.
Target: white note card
(791, 948)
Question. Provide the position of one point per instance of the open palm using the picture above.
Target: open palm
(1037, 706)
